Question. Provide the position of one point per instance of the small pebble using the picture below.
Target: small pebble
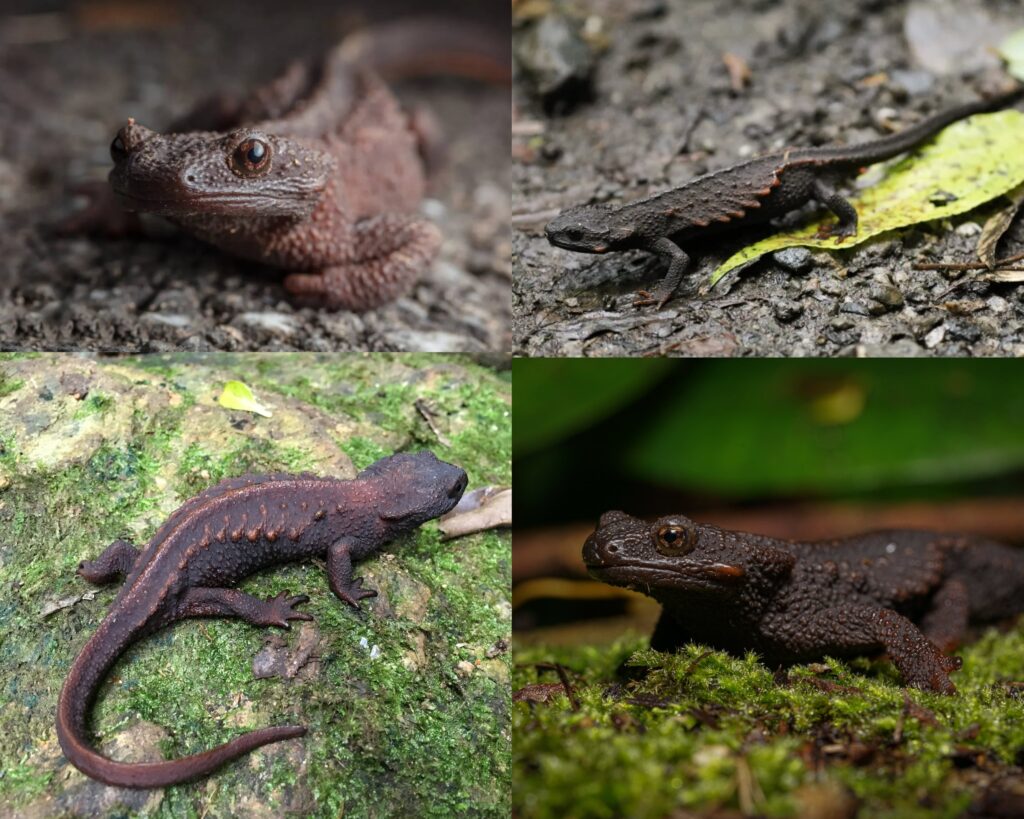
(968, 229)
(935, 337)
(854, 307)
(794, 259)
(997, 304)
(786, 310)
(884, 298)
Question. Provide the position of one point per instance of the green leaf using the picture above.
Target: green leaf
(784, 428)
(238, 396)
(1012, 50)
(557, 397)
(971, 162)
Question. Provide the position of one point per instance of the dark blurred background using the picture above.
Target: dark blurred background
(793, 449)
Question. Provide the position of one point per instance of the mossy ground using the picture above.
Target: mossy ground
(386, 736)
(704, 732)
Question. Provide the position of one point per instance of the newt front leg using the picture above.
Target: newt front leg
(114, 562)
(859, 629)
(339, 575)
(678, 261)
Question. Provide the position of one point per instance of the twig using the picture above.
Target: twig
(428, 416)
(533, 218)
(966, 265)
(559, 669)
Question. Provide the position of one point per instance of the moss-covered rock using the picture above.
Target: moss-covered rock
(654, 735)
(94, 449)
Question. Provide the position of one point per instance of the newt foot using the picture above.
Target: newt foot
(355, 592)
(281, 609)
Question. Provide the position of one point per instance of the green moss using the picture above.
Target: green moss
(94, 404)
(705, 731)
(362, 451)
(386, 736)
(9, 385)
(201, 468)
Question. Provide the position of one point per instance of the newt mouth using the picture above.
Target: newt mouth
(225, 204)
(647, 574)
(567, 245)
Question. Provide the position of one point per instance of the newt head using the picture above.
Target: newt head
(246, 172)
(415, 487)
(674, 554)
(587, 229)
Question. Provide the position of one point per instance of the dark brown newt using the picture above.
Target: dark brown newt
(748, 193)
(910, 593)
(320, 172)
(232, 530)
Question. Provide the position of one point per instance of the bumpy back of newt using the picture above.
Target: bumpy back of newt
(244, 524)
(748, 192)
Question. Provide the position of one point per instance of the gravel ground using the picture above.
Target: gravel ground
(69, 78)
(662, 109)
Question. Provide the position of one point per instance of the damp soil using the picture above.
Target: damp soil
(70, 76)
(662, 109)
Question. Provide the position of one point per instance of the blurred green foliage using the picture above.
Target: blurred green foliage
(761, 428)
(566, 395)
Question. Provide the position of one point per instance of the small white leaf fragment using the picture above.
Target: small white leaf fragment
(238, 396)
(65, 602)
(374, 649)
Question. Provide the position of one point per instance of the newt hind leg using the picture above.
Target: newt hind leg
(275, 611)
(388, 253)
(846, 213)
(115, 562)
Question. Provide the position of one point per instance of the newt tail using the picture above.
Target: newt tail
(76, 698)
(878, 150)
(425, 46)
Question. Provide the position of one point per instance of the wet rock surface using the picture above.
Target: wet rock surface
(665, 110)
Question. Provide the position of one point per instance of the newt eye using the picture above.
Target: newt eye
(574, 235)
(118, 151)
(673, 540)
(251, 157)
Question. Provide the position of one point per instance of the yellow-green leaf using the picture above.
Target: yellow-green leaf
(238, 396)
(971, 162)
(1012, 50)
